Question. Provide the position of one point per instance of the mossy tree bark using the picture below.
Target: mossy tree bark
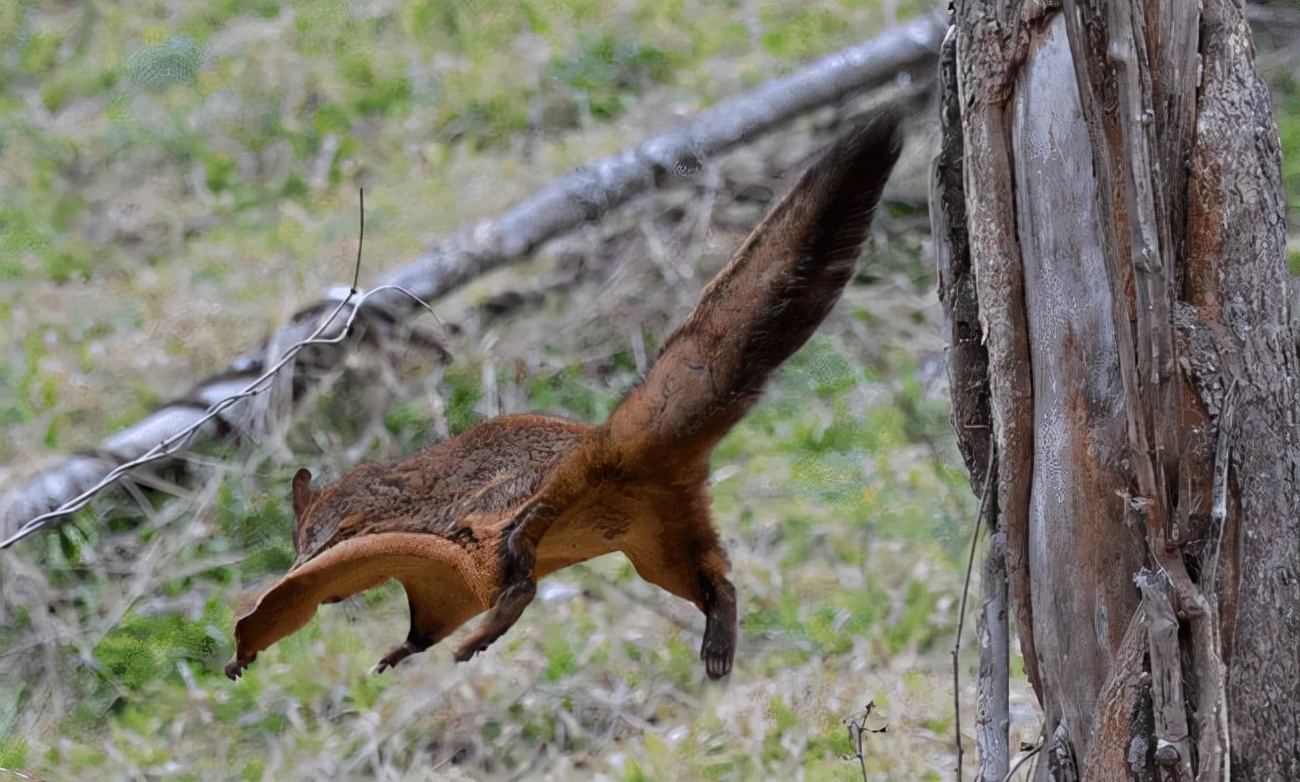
(1112, 265)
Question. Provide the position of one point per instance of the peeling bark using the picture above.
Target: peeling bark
(1169, 724)
(968, 359)
(987, 58)
(1079, 425)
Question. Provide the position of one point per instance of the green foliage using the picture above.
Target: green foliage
(40, 53)
(465, 394)
(174, 61)
(261, 523)
(344, 412)
(34, 349)
(783, 717)
(34, 239)
(13, 752)
(66, 264)
(11, 22)
(841, 457)
(572, 393)
(1288, 121)
(796, 31)
(607, 71)
(375, 86)
(254, 770)
(409, 422)
(560, 658)
(833, 743)
(694, 32)
(144, 649)
(914, 624)
(634, 772)
(487, 120)
(679, 660)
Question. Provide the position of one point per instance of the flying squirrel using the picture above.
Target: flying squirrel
(470, 524)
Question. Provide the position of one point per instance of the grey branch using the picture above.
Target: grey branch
(567, 203)
(993, 709)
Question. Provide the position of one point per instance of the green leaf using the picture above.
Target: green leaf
(157, 67)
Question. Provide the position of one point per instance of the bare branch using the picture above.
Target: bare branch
(993, 707)
(965, 593)
(1022, 760)
(581, 197)
(856, 724)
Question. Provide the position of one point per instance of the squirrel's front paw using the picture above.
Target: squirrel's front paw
(235, 668)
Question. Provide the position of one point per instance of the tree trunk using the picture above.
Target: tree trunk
(1112, 266)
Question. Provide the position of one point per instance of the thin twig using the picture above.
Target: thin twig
(361, 237)
(1022, 760)
(965, 593)
(856, 724)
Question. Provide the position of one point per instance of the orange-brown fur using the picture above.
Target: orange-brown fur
(470, 524)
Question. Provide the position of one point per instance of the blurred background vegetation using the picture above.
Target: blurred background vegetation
(176, 179)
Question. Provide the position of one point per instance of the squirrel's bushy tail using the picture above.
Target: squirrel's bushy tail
(763, 305)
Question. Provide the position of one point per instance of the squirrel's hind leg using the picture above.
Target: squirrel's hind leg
(720, 627)
(696, 570)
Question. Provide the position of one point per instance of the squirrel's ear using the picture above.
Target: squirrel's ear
(302, 493)
(302, 498)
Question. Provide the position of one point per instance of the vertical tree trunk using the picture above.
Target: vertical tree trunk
(1112, 267)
